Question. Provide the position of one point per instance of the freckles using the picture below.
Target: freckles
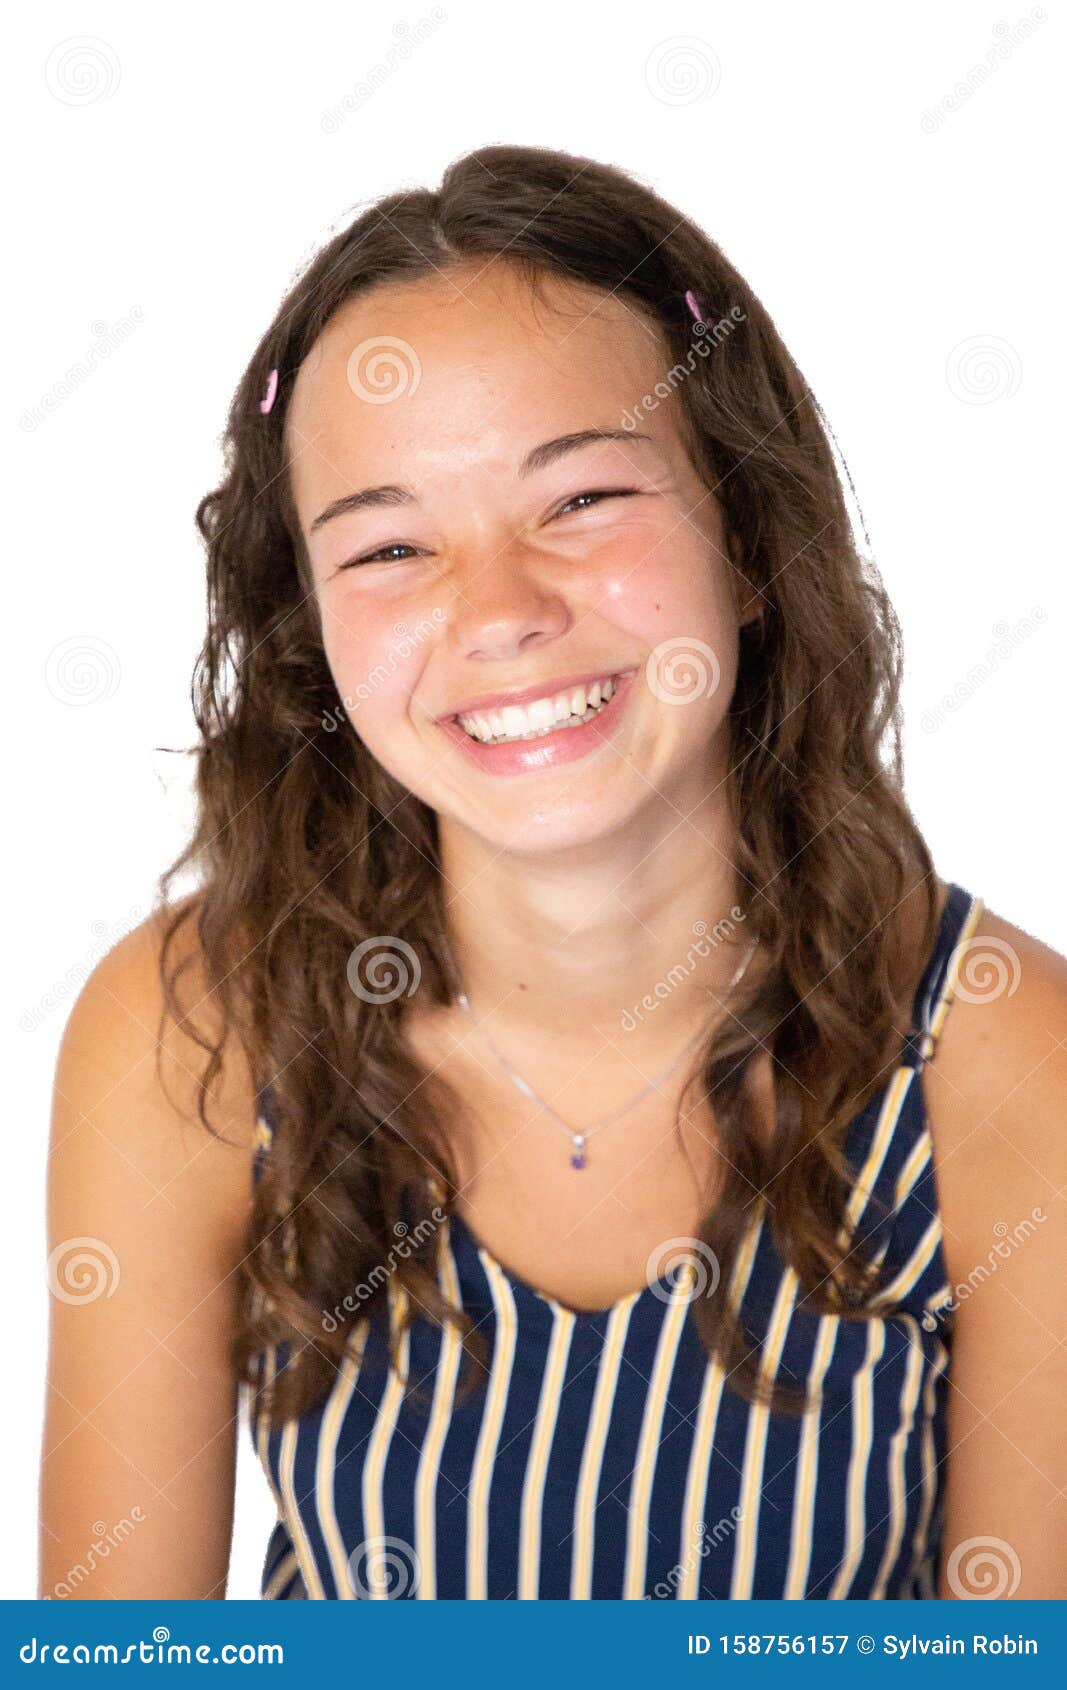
(639, 605)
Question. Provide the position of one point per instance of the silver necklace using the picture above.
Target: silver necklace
(579, 1158)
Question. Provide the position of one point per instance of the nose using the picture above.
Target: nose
(501, 606)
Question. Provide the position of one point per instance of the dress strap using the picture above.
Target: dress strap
(266, 1121)
(940, 981)
(264, 1130)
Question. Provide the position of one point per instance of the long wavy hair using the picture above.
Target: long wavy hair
(305, 849)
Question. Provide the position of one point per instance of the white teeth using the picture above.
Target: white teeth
(543, 716)
(514, 720)
(541, 713)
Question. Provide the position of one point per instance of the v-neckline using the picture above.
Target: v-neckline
(665, 1289)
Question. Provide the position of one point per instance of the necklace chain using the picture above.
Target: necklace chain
(579, 1140)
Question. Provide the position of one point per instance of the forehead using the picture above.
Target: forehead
(467, 368)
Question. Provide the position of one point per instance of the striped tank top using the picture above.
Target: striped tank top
(604, 1456)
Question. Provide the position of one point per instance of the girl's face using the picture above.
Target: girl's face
(468, 538)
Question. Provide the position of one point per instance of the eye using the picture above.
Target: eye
(598, 493)
(379, 555)
(595, 494)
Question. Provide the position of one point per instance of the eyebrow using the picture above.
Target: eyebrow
(540, 457)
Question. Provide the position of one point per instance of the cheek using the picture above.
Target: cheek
(679, 608)
(686, 597)
(374, 663)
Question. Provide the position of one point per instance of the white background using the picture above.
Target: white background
(168, 175)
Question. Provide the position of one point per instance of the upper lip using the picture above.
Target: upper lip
(526, 695)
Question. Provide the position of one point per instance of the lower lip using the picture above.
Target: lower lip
(564, 745)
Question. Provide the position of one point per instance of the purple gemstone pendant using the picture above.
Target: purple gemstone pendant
(578, 1159)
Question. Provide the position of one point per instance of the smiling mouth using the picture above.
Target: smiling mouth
(511, 724)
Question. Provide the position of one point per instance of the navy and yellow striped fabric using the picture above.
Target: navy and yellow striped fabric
(604, 1456)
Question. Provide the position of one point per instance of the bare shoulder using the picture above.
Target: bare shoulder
(147, 1214)
(996, 1084)
(136, 1072)
(127, 1079)
(995, 1094)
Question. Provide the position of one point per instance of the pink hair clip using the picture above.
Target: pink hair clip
(272, 387)
(693, 304)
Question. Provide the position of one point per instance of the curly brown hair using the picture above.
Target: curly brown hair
(302, 857)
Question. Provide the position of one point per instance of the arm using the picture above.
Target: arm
(996, 1093)
(138, 1454)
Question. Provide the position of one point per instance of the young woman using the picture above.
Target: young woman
(660, 1166)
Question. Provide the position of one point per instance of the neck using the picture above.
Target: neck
(629, 936)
